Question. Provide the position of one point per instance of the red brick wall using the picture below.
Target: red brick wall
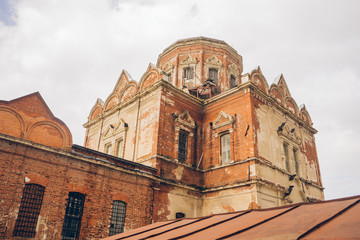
(61, 174)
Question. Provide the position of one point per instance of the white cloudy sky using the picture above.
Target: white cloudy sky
(72, 52)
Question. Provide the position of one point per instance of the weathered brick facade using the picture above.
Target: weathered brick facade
(198, 89)
(199, 137)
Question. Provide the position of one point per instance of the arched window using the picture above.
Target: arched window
(117, 221)
(188, 73)
(225, 148)
(214, 75)
(73, 215)
(29, 211)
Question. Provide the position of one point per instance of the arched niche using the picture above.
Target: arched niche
(305, 116)
(12, 123)
(111, 102)
(129, 91)
(258, 78)
(275, 93)
(96, 110)
(292, 106)
(47, 133)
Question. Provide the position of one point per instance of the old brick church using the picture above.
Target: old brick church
(194, 136)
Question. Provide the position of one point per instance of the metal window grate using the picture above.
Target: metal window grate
(117, 221)
(182, 146)
(29, 211)
(73, 215)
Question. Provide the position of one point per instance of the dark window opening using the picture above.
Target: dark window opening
(117, 221)
(180, 215)
(73, 215)
(232, 81)
(188, 73)
(29, 211)
(213, 75)
(182, 146)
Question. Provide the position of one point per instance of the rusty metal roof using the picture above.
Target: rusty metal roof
(334, 219)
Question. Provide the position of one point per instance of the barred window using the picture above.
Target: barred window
(182, 146)
(29, 211)
(73, 215)
(117, 221)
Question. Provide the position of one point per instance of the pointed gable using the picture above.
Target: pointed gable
(258, 78)
(30, 118)
(124, 79)
(32, 105)
(222, 120)
(151, 75)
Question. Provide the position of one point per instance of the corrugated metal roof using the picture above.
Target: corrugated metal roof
(334, 219)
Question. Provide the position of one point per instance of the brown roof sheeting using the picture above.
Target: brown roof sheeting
(334, 219)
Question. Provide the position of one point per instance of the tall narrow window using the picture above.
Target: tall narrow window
(225, 148)
(182, 146)
(188, 73)
(286, 156)
(232, 81)
(29, 211)
(108, 148)
(119, 148)
(73, 215)
(213, 75)
(295, 161)
(117, 221)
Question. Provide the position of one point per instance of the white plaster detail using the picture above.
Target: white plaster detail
(189, 60)
(214, 61)
(27, 179)
(185, 119)
(228, 120)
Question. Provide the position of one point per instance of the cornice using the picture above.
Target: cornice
(267, 99)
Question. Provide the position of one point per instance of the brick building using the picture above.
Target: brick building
(227, 139)
(195, 136)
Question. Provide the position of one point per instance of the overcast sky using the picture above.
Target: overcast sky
(73, 52)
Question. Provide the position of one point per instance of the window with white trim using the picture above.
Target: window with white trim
(225, 148)
(286, 156)
(119, 148)
(108, 148)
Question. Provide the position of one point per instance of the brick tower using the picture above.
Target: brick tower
(222, 140)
